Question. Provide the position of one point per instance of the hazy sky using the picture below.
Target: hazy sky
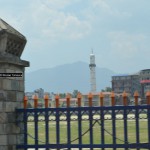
(64, 31)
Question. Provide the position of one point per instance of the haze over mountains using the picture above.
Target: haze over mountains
(67, 78)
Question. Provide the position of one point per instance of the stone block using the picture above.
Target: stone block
(19, 104)
(20, 139)
(11, 117)
(2, 106)
(2, 70)
(6, 84)
(21, 86)
(10, 106)
(8, 147)
(1, 83)
(3, 148)
(3, 117)
(11, 95)
(3, 140)
(20, 96)
(15, 85)
(3, 95)
(12, 139)
(9, 128)
(2, 129)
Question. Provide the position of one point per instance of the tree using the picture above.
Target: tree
(107, 89)
(75, 93)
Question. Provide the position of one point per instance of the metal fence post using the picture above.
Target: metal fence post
(46, 99)
(57, 120)
(124, 95)
(102, 119)
(90, 97)
(136, 96)
(148, 114)
(79, 97)
(36, 121)
(68, 97)
(113, 119)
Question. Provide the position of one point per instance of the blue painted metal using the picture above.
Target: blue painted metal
(80, 127)
(36, 127)
(148, 125)
(125, 127)
(102, 128)
(25, 127)
(57, 127)
(79, 111)
(137, 126)
(46, 126)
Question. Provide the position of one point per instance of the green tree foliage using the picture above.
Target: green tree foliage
(75, 93)
(107, 89)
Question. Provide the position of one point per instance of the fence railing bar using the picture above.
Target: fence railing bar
(148, 123)
(137, 127)
(25, 127)
(90, 125)
(80, 127)
(57, 127)
(102, 128)
(125, 127)
(68, 128)
(36, 127)
(114, 128)
(46, 127)
(125, 119)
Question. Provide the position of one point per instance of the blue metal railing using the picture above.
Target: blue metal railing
(94, 116)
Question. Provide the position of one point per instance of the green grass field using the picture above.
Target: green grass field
(96, 132)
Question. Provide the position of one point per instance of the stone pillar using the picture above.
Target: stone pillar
(12, 88)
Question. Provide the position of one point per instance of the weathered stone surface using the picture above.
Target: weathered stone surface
(11, 88)
(11, 96)
(12, 139)
(2, 106)
(10, 106)
(21, 86)
(9, 128)
(6, 147)
(3, 117)
(20, 96)
(15, 85)
(11, 117)
(3, 140)
(6, 84)
(19, 105)
(20, 139)
(2, 129)
(3, 96)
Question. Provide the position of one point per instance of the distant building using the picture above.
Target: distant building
(29, 95)
(145, 81)
(40, 93)
(132, 82)
(128, 83)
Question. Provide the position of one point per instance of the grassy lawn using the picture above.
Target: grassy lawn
(96, 132)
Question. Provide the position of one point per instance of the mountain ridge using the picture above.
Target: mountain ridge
(67, 77)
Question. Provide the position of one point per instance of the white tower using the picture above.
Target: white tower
(92, 66)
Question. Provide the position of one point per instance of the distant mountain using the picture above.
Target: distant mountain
(68, 77)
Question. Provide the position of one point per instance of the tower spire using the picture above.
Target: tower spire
(92, 66)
